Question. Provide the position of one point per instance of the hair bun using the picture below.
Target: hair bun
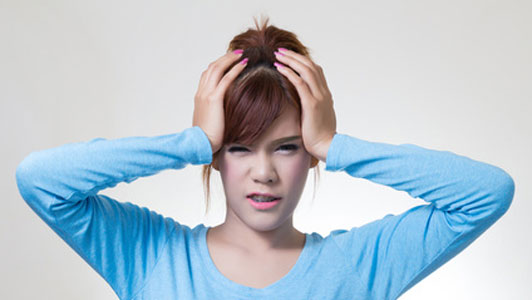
(260, 43)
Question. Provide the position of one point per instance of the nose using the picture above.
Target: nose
(263, 169)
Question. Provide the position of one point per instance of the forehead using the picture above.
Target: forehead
(287, 124)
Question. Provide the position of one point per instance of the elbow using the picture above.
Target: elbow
(503, 193)
(494, 196)
(25, 176)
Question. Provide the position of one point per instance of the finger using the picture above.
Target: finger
(218, 67)
(230, 76)
(203, 78)
(309, 73)
(210, 80)
(307, 60)
(322, 75)
(318, 70)
(206, 86)
(324, 81)
(297, 56)
(301, 86)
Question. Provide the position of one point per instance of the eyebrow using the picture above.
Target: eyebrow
(286, 139)
(281, 140)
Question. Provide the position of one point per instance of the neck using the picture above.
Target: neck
(236, 233)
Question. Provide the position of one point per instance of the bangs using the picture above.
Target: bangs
(254, 101)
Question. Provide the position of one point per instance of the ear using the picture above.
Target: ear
(215, 163)
(314, 161)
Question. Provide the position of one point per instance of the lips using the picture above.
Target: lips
(263, 194)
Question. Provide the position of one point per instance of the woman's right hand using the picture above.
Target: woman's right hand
(208, 101)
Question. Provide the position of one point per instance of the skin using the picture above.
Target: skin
(265, 168)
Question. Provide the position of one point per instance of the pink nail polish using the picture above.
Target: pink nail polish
(238, 51)
(244, 61)
(278, 53)
(282, 50)
(278, 65)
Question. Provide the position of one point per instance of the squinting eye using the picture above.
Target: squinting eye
(237, 149)
(289, 147)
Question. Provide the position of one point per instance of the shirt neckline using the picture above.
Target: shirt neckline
(280, 285)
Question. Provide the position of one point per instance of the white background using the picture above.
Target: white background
(447, 75)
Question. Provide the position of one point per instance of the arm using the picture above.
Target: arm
(465, 197)
(121, 241)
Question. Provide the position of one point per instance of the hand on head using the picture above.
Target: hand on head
(208, 101)
(318, 120)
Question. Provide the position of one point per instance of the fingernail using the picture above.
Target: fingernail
(238, 51)
(278, 65)
(244, 61)
(278, 53)
(282, 50)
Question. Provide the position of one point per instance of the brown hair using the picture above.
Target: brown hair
(258, 95)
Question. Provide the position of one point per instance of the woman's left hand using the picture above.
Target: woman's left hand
(318, 120)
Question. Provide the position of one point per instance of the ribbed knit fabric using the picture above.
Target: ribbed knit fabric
(144, 255)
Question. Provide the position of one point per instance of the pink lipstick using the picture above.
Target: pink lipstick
(262, 201)
(263, 205)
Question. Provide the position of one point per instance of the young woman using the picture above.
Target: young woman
(263, 116)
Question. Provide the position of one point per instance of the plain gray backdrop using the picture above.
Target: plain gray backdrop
(446, 75)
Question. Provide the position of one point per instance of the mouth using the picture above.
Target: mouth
(263, 197)
(263, 201)
(263, 205)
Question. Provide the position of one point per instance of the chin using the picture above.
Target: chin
(263, 227)
(266, 222)
(262, 221)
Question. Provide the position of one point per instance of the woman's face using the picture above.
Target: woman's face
(269, 166)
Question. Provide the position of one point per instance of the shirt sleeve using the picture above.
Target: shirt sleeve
(465, 197)
(120, 240)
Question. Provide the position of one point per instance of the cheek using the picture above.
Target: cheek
(297, 168)
(231, 172)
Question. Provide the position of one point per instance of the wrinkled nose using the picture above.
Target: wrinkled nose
(263, 170)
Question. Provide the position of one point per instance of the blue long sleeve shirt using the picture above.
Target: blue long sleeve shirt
(144, 255)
